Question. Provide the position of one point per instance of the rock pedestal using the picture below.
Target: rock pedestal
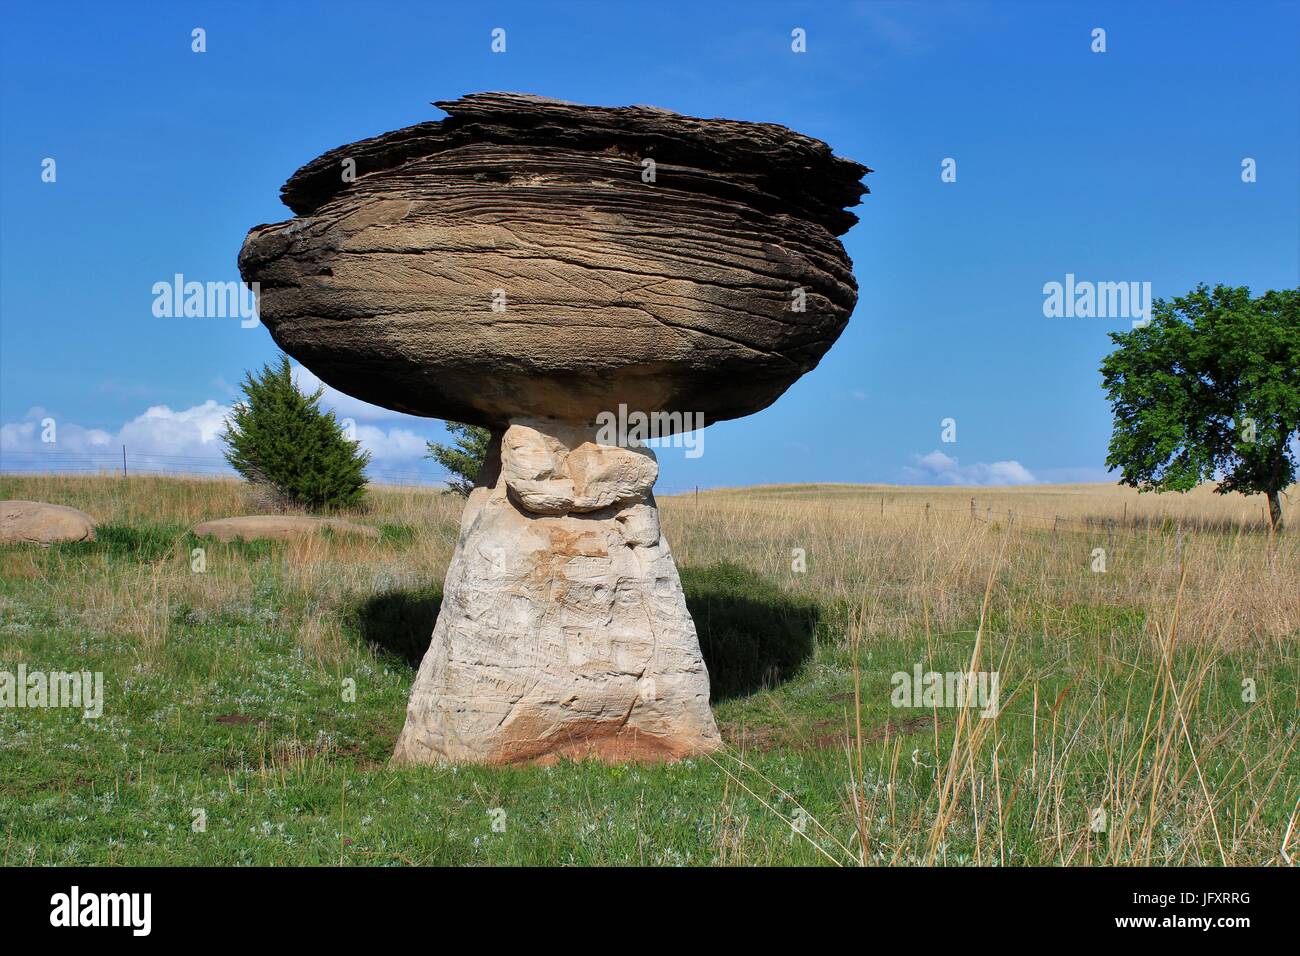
(563, 630)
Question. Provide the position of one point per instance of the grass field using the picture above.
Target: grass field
(1148, 714)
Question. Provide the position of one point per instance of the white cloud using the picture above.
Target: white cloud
(157, 440)
(25, 436)
(396, 444)
(938, 468)
(189, 440)
(191, 432)
(345, 406)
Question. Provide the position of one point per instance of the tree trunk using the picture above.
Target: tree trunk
(1275, 510)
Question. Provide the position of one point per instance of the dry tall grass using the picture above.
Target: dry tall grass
(318, 579)
(920, 556)
(1199, 570)
(927, 565)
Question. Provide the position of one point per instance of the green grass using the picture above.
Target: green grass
(225, 712)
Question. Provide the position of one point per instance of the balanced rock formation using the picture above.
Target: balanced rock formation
(277, 527)
(535, 267)
(35, 522)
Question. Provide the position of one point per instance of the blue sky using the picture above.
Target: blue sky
(1117, 166)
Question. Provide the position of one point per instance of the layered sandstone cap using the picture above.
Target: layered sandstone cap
(512, 261)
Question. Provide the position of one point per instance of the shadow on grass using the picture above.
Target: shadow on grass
(752, 634)
(145, 542)
(137, 542)
(399, 623)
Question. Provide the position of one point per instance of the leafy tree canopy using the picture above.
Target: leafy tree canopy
(1209, 390)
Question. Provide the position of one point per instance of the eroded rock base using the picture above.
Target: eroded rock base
(563, 631)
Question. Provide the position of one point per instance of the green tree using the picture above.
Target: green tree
(278, 436)
(463, 459)
(1209, 390)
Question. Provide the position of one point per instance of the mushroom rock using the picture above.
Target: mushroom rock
(535, 267)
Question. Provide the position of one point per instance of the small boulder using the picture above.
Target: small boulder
(35, 522)
(606, 475)
(547, 478)
(277, 527)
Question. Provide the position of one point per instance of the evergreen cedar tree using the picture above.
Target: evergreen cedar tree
(280, 437)
(464, 459)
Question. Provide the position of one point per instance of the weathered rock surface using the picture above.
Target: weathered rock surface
(35, 522)
(555, 475)
(533, 266)
(563, 630)
(277, 527)
(681, 295)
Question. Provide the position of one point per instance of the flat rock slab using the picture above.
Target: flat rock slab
(35, 522)
(519, 259)
(277, 527)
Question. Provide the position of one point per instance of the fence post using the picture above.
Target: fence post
(972, 507)
(123, 461)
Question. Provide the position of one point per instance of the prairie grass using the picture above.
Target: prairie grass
(1147, 714)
